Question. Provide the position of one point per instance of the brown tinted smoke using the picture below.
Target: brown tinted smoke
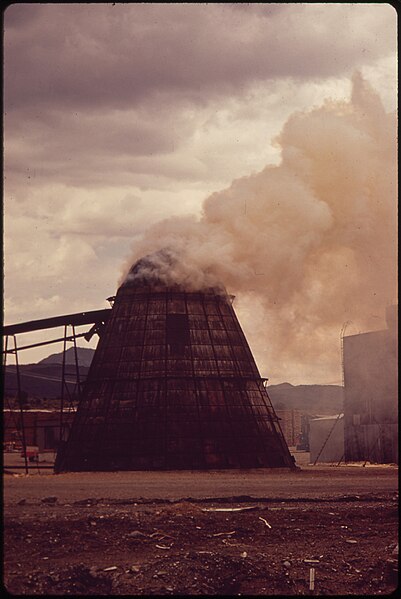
(305, 245)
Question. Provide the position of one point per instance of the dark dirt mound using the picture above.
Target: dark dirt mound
(202, 548)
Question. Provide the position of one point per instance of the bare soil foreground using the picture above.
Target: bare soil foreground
(255, 532)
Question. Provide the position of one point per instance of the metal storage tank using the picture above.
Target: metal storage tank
(173, 385)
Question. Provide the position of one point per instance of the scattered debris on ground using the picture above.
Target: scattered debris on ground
(202, 547)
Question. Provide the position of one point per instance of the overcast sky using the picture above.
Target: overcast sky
(120, 115)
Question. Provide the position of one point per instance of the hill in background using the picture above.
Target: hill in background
(84, 354)
(311, 399)
(43, 380)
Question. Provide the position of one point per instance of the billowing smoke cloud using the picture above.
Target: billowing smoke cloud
(311, 241)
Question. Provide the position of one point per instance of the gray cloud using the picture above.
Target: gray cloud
(96, 91)
(117, 116)
(101, 55)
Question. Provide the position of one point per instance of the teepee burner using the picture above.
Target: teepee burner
(173, 385)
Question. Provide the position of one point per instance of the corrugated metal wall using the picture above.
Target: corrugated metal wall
(173, 384)
(371, 396)
(375, 443)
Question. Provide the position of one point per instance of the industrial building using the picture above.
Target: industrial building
(326, 439)
(291, 425)
(172, 385)
(35, 429)
(371, 393)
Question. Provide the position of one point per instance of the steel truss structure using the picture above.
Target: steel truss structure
(69, 322)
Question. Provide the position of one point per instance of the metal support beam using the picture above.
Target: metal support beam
(19, 392)
(80, 318)
(69, 338)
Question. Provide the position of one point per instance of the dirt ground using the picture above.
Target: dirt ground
(244, 533)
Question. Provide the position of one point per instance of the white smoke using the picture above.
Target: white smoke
(309, 243)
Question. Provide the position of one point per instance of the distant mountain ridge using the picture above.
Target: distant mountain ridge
(311, 399)
(44, 380)
(84, 355)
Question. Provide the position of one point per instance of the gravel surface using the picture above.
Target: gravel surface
(195, 533)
